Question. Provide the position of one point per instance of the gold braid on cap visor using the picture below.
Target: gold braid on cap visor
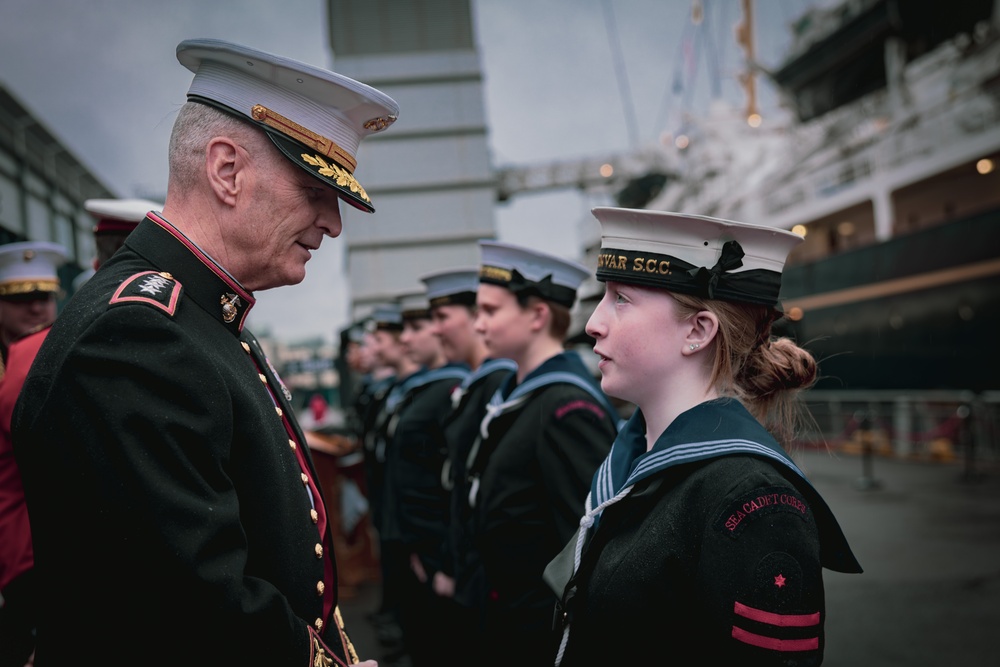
(30, 285)
(325, 147)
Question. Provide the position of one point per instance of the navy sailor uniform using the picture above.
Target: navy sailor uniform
(712, 544)
(528, 479)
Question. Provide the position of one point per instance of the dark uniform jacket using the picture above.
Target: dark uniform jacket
(718, 557)
(373, 440)
(416, 504)
(461, 426)
(529, 479)
(174, 512)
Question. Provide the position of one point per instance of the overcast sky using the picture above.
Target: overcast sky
(103, 77)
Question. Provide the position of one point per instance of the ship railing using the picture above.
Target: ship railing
(946, 426)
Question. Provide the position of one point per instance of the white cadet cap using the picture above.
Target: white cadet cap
(386, 317)
(452, 286)
(523, 270)
(315, 117)
(119, 215)
(693, 254)
(414, 306)
(30, 266)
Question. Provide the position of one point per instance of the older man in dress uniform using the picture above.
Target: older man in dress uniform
(174, 504)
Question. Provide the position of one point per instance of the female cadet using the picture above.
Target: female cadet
(546, 430)
(701, 535)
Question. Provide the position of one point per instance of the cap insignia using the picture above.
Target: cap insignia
(495, 273)
(29, 255)
(290, 128)
(230, 304)
(380, 123)
(344, 178)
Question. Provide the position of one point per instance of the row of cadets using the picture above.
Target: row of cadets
(452, 297)
(545, 431)
(388, 366)
(415, 505)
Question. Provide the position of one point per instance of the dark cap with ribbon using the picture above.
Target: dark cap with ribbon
(692, 254)
(414, 306)
(526, 271)
(452, 287)
(386, 317)
(315, 117)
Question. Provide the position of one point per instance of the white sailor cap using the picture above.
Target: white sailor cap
(523, 270)
(386, 317)
(29, 267)
(692, 254)
(414, 306)
(119, 216)
(315, 117)
(452, 286)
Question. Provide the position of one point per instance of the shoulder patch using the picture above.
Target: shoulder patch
(758, 503)
(152, 288)
(579, 404)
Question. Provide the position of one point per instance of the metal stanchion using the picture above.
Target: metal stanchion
(867, 481)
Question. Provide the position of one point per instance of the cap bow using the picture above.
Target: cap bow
(731, 258)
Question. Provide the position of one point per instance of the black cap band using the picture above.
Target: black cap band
(649, 269)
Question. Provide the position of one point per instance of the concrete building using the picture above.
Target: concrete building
(430, 175)
(43, 187)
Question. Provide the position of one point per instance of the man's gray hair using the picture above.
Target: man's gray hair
(196, 124)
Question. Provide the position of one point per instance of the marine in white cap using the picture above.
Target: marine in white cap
(546, 429)
(702, 540)
(29, 286)
(153, 412)
(114, 220)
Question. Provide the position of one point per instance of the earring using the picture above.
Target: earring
(694, 346)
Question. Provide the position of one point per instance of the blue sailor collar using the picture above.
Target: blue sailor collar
(424, 376)
(710, 430)
(564, 362)
(693, 436)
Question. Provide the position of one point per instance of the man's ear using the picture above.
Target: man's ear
(702, 328)
(224, 161)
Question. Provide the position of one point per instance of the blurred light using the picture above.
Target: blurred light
(801, 230)
(682, 141)
(985, 166)
(754, 120)
(607, 170)
(845, 228)
(795, 313)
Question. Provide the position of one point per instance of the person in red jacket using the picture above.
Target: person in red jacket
(114, 219)
(29, 285)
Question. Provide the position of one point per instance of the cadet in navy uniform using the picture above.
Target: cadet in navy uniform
(546, 430)
(173, 501)
(416, 506)
(452, 297)
(701, 533)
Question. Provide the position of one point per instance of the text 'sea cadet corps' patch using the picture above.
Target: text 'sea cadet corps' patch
(758, 503)
(153, 288)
